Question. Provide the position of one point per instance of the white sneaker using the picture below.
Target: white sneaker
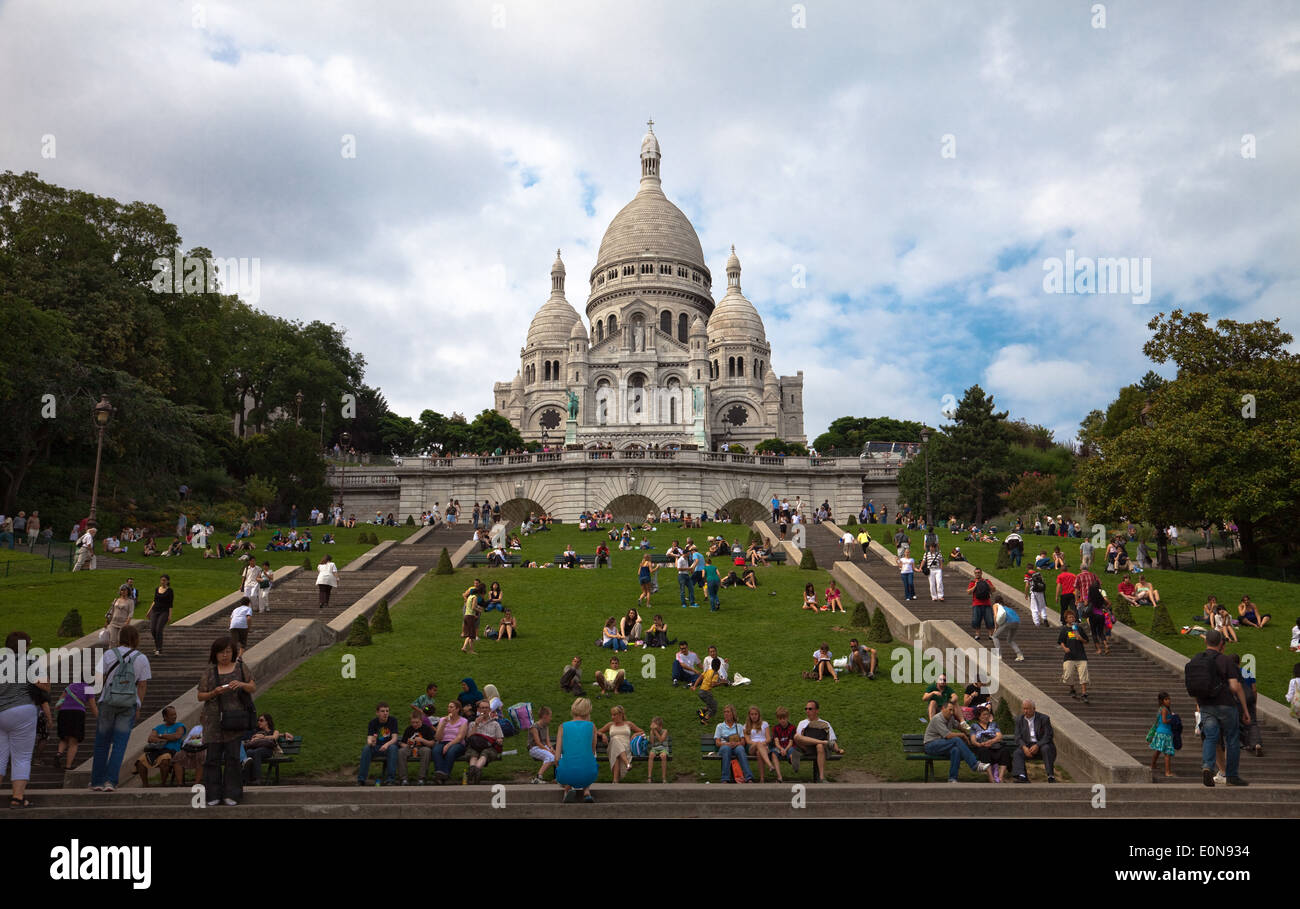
(229, 803)
(212, 803)
(1220, 778)
(1021, 658)
(980, 766)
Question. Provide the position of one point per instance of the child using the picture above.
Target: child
(539, 744)
(783, 743)
(704, 683)
(661, 744)
(810, 598)
(1295, 636)
(71, 724)
(1161, 737)
(833, 598)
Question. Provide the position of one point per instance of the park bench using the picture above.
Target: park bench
(289, 749)
(479, 558)
(709, 752)
(602, 753)
(584, 560)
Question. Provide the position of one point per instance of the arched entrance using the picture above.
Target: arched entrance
(632, 509)
(515, 511)
(747, 510)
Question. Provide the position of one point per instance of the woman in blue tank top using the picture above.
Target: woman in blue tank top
(576, 745)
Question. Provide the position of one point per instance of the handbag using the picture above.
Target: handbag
(242, 718)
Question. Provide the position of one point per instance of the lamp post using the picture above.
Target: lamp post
(343, 474)
(726, 433)
(297, 399)
(545, 438)
(322, 425)
(925, 447)
(103, 413)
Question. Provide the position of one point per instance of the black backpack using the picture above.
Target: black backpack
(982, 589)
(1036, 583)
(1202, 677)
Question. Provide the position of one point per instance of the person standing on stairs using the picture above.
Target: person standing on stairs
(327, 578)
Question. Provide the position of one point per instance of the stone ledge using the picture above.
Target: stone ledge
(369, 556)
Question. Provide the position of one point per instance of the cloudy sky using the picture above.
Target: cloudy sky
(921, 164)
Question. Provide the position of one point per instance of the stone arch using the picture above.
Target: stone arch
(748, 510)
(514, 511)
(632, 508)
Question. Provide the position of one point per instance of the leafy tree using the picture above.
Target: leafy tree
(1031, 493)
(780, 447)
(1219, 439)
(853, 433)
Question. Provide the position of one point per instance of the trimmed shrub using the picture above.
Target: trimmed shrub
(1003, 559)
(444, 563)
(808, 562)
(851, 522)
(1003, 717)
(754, 538)
(70, 627)
(861, 616)
(306, 564)
(410, 520)
(1119, 608)
(381, 622)
(359, 633)
(878, 633)
(1160, 622)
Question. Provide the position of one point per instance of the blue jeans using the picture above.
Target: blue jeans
(112, 730)
(713, 595)
(685, 585)
(909, 587)
(1225, 722)
(981, 614)
(955, 750)
(442, 760)
(682, 674)
(389, 758)
(615, 644)
(740, 753)
(1016, 556)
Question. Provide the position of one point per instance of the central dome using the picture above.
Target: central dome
(650, 225)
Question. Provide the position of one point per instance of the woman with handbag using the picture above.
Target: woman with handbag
(264, 589)
(225, 690)
(484, 742)
(18, 717)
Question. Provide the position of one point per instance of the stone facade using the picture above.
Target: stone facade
(662, 364)
(627, 482)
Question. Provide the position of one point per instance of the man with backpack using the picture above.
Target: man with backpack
(1036, 592)
(981, 604)
(1211, 678)
(123, 677)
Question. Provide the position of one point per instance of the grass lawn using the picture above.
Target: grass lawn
(36, 602)
(762, 632)
(546, 545)
(1182, 592)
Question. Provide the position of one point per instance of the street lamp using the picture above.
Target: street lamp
(925, 447)
(322, 425)
(545, 437)
(297, 399)
(103, 413)
(726, 432)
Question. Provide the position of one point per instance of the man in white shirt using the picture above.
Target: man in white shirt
(86, 550)
(239, 621)
(848, 540)
(686, 665)
(814, 735)
(726, 664)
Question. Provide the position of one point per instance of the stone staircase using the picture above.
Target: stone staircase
(685, 800)
(1124, 684)
(185, 654)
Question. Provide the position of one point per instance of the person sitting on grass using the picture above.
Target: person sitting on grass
(833, 601)
(862, 659)
(810, 598)
(1145, 594)
(571, 677)
(822, 665)
(1128, 592)
(508, 627)
(612, 680)
(630, 627)
(1249, 615)
(657, 635)
(1223, 625)
(611, 637)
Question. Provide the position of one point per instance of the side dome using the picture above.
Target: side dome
(735, 319)
(554, 322)
(579, 332)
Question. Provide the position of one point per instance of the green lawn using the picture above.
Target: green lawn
(546, 545)
(1182, 592)
(36, 602)
(560, 613)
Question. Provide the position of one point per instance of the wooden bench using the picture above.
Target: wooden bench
(585, 560)
(481, 559)
(602, 753)
(289, 749)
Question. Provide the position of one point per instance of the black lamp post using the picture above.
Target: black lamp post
(297, 399)
(925, 446)
(726, 433)
(322, 425)
(103, 413)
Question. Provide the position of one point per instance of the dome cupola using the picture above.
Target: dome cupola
(735, 319)
(553, 323)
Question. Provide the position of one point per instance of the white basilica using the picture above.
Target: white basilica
(663, 364)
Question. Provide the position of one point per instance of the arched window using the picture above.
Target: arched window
(666, 322)
(555, 370)
(683, 327)
(613, 325)
(715, 372)
(731, 367)
(600, 330)
(602, 401)
(547, 371)
(740, 367)
(759, 369)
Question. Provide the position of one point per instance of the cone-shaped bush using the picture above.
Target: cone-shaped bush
(70, 627)
(808, 563)
(1003, 717)
(359, 633)
(1003, 559)
(1160, 622)
(381, 622)
(410, 520)
(878, 633)
(754, 537)
(306, 563)
(1120, 609)
(444, 563)
(851, 522)
(861, 616)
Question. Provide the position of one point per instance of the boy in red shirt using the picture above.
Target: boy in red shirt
(1065, 582)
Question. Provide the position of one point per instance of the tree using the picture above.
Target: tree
(1220, 439)
(780, 447)
(1032, 493)
(853, 433)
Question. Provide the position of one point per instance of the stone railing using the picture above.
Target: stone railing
(871, 468)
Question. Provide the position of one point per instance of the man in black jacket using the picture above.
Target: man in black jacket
(1033, 741)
